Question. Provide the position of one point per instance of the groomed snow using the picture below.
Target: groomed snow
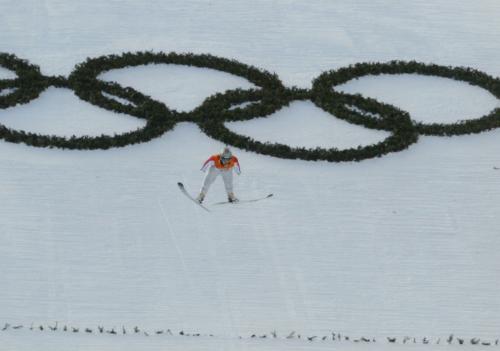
(402, 245)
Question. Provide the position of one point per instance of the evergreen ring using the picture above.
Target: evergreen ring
(327, 81)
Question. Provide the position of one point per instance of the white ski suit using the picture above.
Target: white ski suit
(215, 168)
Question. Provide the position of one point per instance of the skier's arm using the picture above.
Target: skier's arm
(208, 163)
(237, 168)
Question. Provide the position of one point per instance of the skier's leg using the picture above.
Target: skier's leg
(210, 177)
(227, 176)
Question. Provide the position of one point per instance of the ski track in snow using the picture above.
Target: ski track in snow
(405, 244)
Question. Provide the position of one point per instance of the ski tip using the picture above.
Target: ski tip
(270, 195)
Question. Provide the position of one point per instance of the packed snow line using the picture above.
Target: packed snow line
(333, 337)
(118, 99)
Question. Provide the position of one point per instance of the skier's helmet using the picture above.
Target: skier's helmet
(226, 154)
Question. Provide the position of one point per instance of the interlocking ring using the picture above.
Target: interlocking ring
(26, 87)
(236, 105)
(329, 80)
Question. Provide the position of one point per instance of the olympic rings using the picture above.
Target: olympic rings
(236, 105)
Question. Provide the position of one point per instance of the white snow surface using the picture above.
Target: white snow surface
(7, 74)
(402, 245)
(180, 89)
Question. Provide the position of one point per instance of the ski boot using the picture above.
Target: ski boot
(232, 198)
(200, 197)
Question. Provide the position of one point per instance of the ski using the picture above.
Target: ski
(244, 201)
(184, 191)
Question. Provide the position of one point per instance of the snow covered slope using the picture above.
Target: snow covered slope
(403, 245)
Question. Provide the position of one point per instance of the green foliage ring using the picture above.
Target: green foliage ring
(327, 81)
(403, 132)
(27, 86)
(84, 79)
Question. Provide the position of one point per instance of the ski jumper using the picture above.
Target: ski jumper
(215, 168)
